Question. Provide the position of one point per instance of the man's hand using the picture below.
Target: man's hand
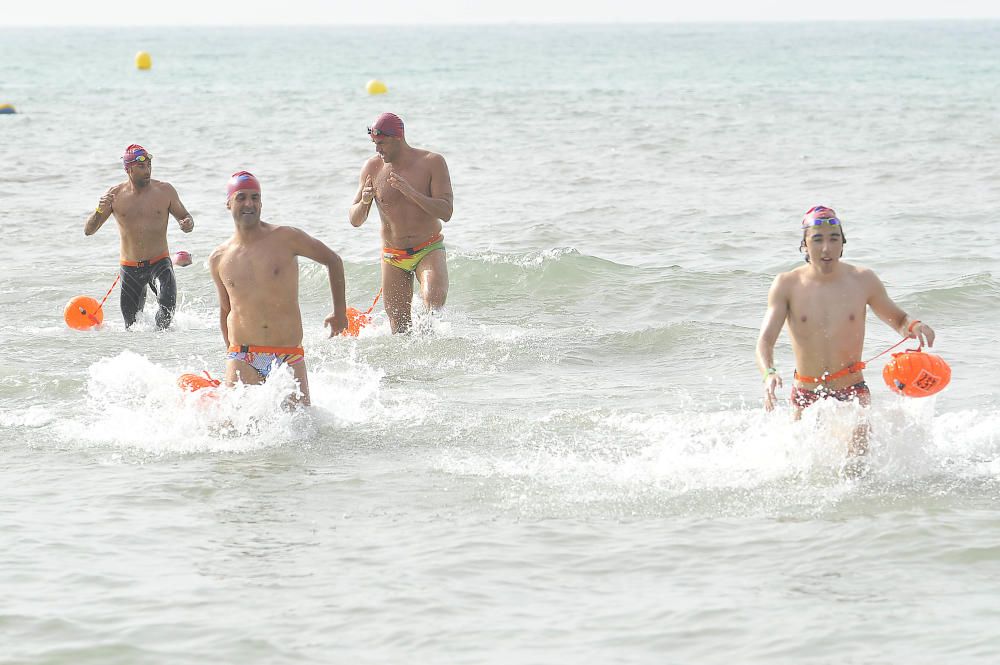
(104, 206)
(186, 224)
(368, 192)
(337, 323)
(771, 382)
(923, 333)
(397, 181)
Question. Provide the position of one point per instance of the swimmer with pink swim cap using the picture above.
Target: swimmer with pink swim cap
(256, 274)
(241, 180)
(243, 198)
(182, 258)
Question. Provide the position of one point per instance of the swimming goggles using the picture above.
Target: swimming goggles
(380, 132)
(139, 158)
(832, 221)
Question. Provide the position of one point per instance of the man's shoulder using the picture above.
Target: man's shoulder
(430, 156)
(280, 233)
(222, 247)
(219, 252)
(794, 275)
(858, 272)
(162, 186)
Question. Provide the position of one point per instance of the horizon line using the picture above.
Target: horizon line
(511, 22)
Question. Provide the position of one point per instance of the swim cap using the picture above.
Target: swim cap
(388, 124)
(820, 212)
(133, 153)
(241, 180)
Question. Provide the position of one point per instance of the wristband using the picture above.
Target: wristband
(913, 325)
(768, 372)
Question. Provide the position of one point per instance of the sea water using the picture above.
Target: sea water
(570, 463)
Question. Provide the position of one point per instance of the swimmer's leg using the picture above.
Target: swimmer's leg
(299, 372)
(133, 293)
(856, 464)
(397, 296)
(432, 273)
(243, 372)
(862, 431)
(165, 287)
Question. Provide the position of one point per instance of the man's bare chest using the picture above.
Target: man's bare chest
(386, 193)
(250, 270)
(145, 210)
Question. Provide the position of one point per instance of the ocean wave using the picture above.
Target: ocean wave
(976, 292)
(729, 462)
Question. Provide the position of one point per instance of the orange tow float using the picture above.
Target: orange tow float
(356, 319)
(84, 312)
(916, 374)
(192, 382)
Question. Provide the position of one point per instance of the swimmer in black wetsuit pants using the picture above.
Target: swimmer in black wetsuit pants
(141, 207)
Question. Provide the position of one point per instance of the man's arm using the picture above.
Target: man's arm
(101, 213)
(363, 198)
(893, 314)
(305, 245)
(180, 213)
(770, 328)
(224, 305)
(440, 204)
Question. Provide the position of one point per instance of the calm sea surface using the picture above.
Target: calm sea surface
(571, 465)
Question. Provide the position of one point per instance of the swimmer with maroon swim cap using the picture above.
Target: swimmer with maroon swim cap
(256, 274)
(387, 124)
(412, 189)
(142, 207)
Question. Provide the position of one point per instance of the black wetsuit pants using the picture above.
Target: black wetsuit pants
(160, 278)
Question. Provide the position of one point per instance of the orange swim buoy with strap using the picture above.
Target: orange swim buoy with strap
(83, 313)
(193, 382)
(916, 374)
(356, 319)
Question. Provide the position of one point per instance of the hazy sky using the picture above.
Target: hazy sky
(333, 12)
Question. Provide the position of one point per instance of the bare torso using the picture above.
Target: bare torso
(826, 320)
(142, 219)
(261, 275)
(404, 223)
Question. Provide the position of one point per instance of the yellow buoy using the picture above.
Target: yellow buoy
(143, 60)
(376, 87)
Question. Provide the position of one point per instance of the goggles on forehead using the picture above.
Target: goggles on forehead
(832, 221)
(138, 158)
(375, 131)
